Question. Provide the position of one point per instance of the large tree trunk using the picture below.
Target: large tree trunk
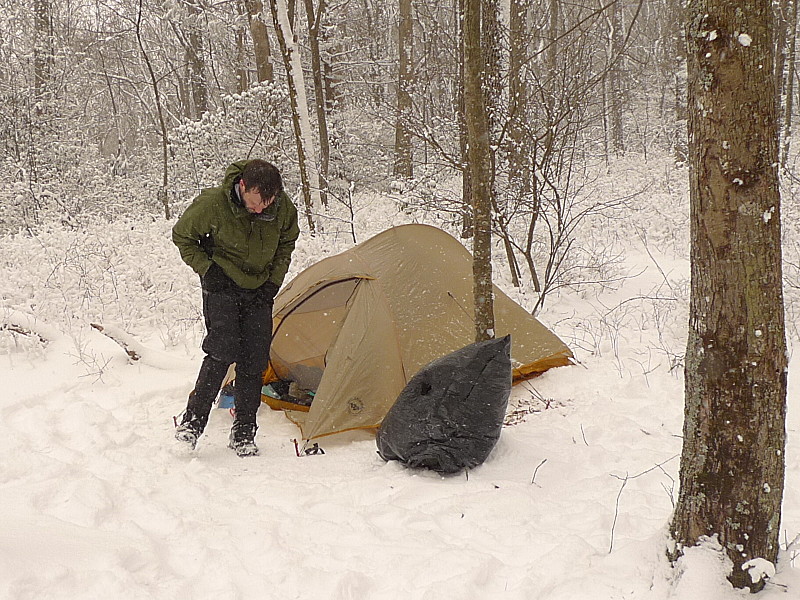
(261, 48)
(195, 59)
(306, 155)
(239, 36)
(480, 171)
(403, 166)
(790, 76)
(780, 26)
(732, 466)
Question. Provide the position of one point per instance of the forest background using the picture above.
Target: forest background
(129, 108)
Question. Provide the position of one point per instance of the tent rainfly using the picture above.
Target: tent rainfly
(355, 327)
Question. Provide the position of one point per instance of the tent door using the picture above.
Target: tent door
(314, 323)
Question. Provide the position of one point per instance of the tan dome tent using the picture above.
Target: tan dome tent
(355, 327)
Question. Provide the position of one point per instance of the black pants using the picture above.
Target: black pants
(239, 330)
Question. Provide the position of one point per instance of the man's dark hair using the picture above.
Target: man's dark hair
(263, 177)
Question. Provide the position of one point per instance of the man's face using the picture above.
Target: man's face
(252, 199)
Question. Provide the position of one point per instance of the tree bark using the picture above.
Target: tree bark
(780, 25)
(466, 186)
(195, 59)
(240, 36)
(314, 18)
(42, 48)
(677, 56)
(493, 84)
(732, 465)
(551, 66)
(306, 155)
(480, 174)
(403, 166)
(615, 94)
(261, 48)
(790, 77)
(519, 154)
(162, 192)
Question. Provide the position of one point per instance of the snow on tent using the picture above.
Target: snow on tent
(355, 327)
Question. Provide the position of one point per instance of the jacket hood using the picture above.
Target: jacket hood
(233, 172)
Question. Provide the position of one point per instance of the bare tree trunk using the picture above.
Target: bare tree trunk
(492, 48)
(314, 24)
(551, 57)
(239, 41)
(551, 53)
(162, 193)
(306, 155)
(114, 146)
(615, 95)
(332, 79)
(780, 24)
(732, 465)
(494, 73)
(42, 48)
(675, 47)
(403, 165)
(466, 186)
(260, 35)
(606, 123)
(480, 171)
(519, 153)
(522, 154)
(790, 77)
(377, 88)
(36, 122)
(195, 59)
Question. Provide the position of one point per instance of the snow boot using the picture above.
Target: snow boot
(242, 439)
(189, 429)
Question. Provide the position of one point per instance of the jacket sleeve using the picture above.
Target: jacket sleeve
(194, 223)
(283, 255)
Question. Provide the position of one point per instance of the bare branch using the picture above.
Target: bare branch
(120, 338)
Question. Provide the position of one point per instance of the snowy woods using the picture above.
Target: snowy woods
(101, 103)
(577, 149)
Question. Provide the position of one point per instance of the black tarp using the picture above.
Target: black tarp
(449, 416)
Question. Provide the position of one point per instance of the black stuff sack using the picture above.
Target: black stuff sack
(449, 416)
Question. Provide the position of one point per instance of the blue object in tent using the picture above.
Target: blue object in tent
(225, 398)
(268, 390)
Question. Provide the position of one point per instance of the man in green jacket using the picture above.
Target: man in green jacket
(239, 238)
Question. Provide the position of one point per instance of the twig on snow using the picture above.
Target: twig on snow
(616, 511)
(622, 487)
(14, 328)
(29, 326)
(536, 470)
(792, 548)
(130, 346)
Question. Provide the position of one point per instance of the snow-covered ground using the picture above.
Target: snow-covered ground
(573, 504)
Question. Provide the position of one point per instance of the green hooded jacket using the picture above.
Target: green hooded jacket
(250, 249)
